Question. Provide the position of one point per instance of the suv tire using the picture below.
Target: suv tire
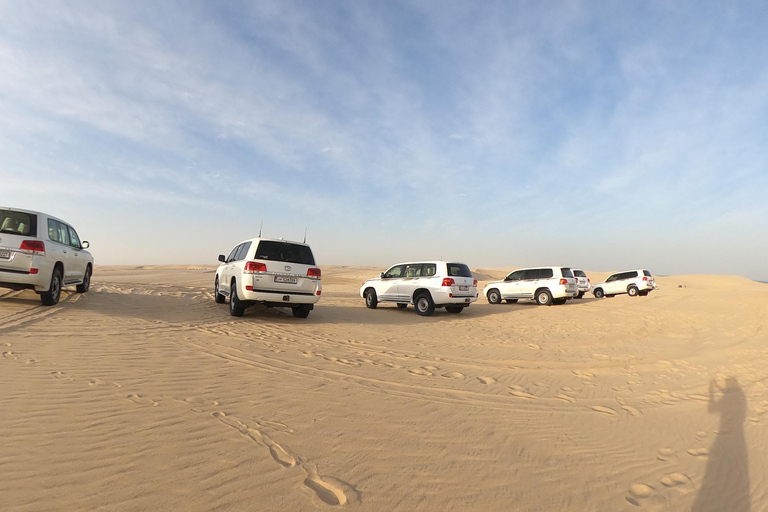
(371, 301)
(51, 297)
(632, 291)
(543, 297)
(236, 307)
(300, 311)
(424, 304)
(454, 309)
(599, 293)
(86, 284)
(218, 297)
(494, 296)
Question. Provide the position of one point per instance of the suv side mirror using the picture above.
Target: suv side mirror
(85, 245)
(222, 258)
(382, 275)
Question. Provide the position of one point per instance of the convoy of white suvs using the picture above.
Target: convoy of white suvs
(43, 253)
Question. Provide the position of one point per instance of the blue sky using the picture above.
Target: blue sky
(604, 135)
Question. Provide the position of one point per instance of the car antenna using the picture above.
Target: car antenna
(262, 225)
(305, 235)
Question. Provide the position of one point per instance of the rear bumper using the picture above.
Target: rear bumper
(274, 298)
(448, 298)
(21, 280)
(562, 292)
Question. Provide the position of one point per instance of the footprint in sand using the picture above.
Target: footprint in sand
(567, 398)
(420, 371)
(666, 455)
(142, 400)
(632, 411)
(678, 480)
(639, 492)
(487, 380)
(31, 360)
(698, 452)
(604, 410)
(278, 453)
(522, 394)
(454, 375)
(328, 491)
(533, 346)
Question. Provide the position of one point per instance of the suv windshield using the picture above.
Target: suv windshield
(458, 270)
(18, 223)
(284, 251)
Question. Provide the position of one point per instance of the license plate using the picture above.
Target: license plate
(284, 279)
(463, 288)
(6, 255)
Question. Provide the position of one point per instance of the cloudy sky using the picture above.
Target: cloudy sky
(602, 135)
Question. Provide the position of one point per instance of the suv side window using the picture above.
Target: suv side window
(629, 275)
(546, 273)
(396, 271)
(514, 276)
(613, 278)
(529, 275)
(232, 255)
(429, 270)
(413, 270)
(53, 231)
(242, 251)
(74, 240)
(63, 233)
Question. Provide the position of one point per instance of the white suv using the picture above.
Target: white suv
(41, 253)
(631, 282)
(582, 281)
(270, 272)
(425, 284)
(545, 285)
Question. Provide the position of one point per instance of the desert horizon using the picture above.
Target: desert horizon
(144, 394)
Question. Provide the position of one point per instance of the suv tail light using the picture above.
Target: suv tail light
(251, 267)
(448, 281)
(588, 280)
(33, 246)
(475, 283)
(563, 281)
(313, 272)
(645, 278)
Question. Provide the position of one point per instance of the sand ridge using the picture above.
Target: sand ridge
(144, 393)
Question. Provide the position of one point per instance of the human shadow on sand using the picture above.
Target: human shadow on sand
(726, 481)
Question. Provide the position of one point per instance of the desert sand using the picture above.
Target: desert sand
(143, 394)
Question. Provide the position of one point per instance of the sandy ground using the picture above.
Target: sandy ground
(143, 394)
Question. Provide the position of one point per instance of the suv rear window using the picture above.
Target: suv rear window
(579, 273)
(566, 272)
(284, 251)
(646, 273)
(458, 270)
(18, 223)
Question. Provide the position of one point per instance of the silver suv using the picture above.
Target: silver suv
(42, 253)
(270, 272)
(545, 285)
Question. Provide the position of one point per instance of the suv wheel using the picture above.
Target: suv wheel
(218, 297)
(454, 309)
(86, 284)
(300, 312)
(580, 295)
(543, 298)
(51, 297)
(632, 291)
(424, 304)
(599, 293)
(371, 301)
(236, 307)
(494, 296)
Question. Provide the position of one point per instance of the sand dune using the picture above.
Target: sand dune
(144, 394)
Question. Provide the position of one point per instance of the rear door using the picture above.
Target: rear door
(529, 282)
(409, 282)
(61, 249)
(572, 283)
(15, 228)
(647, 277)
(288, 268)
(225, 277)
(464, 281)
